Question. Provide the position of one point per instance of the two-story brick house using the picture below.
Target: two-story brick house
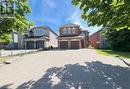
(97, 40)
(39, 37)
(72, 37)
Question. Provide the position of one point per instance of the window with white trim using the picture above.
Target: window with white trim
(73, 30)
(65, 31)
(69, 31)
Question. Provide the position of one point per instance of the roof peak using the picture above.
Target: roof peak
(70, 24)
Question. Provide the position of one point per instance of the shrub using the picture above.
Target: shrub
(119, 40)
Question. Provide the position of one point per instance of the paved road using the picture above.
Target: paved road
(65, 69)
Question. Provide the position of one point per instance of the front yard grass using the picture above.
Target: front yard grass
(2, 59)
(113, 53)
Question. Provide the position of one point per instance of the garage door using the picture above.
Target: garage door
(74, 44)
(30, 45)
(64, 44)
(39, 44)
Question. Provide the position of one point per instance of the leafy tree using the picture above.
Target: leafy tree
(118, 39)
(6, 38)
(113, 16)
(107, 13)
(15, 20)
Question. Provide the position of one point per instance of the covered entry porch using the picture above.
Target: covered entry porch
(35, 43)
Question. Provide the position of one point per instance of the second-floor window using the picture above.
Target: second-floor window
(73, 30)
(65, 31)
(69, 31)
(40, 32)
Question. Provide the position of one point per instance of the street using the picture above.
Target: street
(65, 69)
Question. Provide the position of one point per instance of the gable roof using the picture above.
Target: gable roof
(46, 27)
(94, 33)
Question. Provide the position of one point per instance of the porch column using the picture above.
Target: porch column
(80, 44)
(25, 44)
(58, 44)
(43, 44)
(34, 44)
(69, 44)
(85, 43)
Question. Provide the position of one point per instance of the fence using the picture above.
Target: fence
(4, 53)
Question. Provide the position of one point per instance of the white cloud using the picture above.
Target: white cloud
(49, 20)
(76, 19)
(50, 3)
(52, 20)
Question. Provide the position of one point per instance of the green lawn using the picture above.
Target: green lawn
(113, 53)
(2, 59)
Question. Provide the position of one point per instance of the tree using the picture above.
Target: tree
(118, 40)
(107, 13)
(6, 38)
(16, 20)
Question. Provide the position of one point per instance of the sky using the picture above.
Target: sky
(54, 13)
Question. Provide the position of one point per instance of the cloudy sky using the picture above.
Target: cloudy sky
(55, 13)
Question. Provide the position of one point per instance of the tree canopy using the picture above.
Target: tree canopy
(118, 40)
(107, 13)
(16, 20)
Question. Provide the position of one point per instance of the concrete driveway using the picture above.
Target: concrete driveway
(65, 69)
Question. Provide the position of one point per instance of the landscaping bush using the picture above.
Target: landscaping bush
(119, 40)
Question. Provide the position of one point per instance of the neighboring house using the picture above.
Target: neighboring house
(38, 37)
(15, 37)
(97, 40)
(73, 37)
(15, 40)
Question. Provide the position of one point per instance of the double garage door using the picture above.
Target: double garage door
(73, 44)
(39, 44)
(64, 44)
(30, 45)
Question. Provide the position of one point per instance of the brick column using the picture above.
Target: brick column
(85, 43)
(80, 45)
